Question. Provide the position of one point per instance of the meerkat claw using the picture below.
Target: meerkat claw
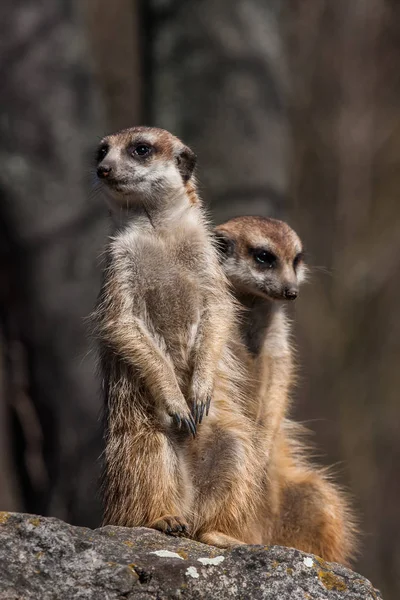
(193, 427)
(198, 410)
(202, 409)
(190, 425)
(177, 420)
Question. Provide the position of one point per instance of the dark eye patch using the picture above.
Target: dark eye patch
(298, 259)
(264, 257)
(140, 150)
(102, 152)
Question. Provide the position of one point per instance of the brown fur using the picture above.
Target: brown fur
(303, 508)
(164, 320)
(314, 513)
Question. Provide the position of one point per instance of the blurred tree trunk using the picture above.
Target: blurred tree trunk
(51, 232)
(343, 61)
(217, 81)
(113, 33)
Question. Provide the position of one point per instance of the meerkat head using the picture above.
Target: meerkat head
(261, 256)
(143, 164)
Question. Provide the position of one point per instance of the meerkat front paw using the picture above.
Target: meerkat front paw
(200, 400)
(182, 416)
(186, 422)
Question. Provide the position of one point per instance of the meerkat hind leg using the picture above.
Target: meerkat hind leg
(175, 525)
(154, 492)
(218, 539)
(174, 479)
(315, 518)
(226, 479)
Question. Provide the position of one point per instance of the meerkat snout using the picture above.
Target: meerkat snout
(262, 256)
(142, 164)
(103, 171)
(290, 293)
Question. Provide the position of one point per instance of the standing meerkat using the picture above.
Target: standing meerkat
(163, 320)
(263, 258)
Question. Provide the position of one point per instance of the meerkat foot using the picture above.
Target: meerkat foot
(172, 525)
(220, 540)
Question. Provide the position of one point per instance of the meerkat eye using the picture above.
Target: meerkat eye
(142, 150)
(298, 259)
(265, 258)
(101, 153)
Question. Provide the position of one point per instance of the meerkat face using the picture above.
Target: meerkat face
(143, 164)
(262, 256)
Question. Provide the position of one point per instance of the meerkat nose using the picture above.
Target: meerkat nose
(290, 293)
(103, 171)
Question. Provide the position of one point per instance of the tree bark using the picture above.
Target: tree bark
(218, 81)
(113, 30)
(345, 189)
(52, 230)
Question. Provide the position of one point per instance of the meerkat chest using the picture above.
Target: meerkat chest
(173, 289)
(276, 343)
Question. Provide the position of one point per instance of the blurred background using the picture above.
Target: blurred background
(294, 111)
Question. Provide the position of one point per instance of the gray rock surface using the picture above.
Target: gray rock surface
(47, 559)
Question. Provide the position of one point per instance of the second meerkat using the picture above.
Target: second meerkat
(263, 258)
(163, 320)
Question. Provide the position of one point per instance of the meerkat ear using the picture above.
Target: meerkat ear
(224, 244)
(186, 160)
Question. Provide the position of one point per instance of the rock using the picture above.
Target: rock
(47, 559)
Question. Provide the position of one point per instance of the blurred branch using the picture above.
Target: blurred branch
(28, 419)
(9, 497)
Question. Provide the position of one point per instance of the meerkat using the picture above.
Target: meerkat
(163, 321)
(264, 260)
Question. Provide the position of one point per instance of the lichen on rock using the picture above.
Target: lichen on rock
(47, 559)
